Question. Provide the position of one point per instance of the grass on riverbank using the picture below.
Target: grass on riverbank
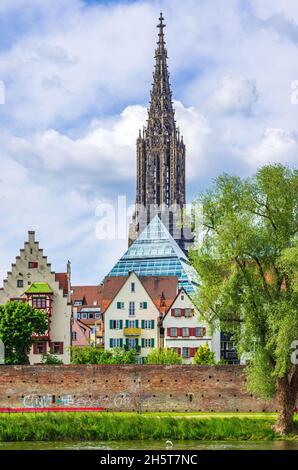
(106, 426)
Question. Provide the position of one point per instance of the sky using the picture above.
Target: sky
(75, 78)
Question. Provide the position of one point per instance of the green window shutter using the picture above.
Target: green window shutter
(126, 323)
(111, 324)
(152, 324)
(137, 342)
(121, 343)
(137, 323)
(121, 324)
(145, 304)
(143, 324)
(152, 342)
(126, 341)
(111, 342)
(143, 342)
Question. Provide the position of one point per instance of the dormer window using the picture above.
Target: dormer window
(78, 303)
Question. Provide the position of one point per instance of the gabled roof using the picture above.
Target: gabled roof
(179, 292)
(88, 294)
(161, 289)
(156, 253)
(39, 288)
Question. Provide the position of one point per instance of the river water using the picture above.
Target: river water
(151, 445)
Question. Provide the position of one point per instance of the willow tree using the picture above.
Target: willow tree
(248, 269)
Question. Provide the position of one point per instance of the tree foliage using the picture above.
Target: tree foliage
(163, 356)
(18, 322)
(248, 267)
(95, 355)
(204, 356)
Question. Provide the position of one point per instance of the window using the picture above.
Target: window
(97, 315)
(116, 324)
(188, 312)
(116, 342)
(177, 312)
(132, 287)
(148, 343)
(57, 347)
(147, 324)
(143, 305)
(40, 347)
(39, 302)
(74, 335)
(173, 332)
(132, 310)
(182, 297)
(84, 316)
(120, 305)
(20, 283)
(78, 302)
(185, 332)
(185, 352)
(32, 264)
(200, 331)
(91, 315)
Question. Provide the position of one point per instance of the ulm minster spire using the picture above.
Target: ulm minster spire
(160, 155)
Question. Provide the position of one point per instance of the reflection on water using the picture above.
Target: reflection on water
(152, 445)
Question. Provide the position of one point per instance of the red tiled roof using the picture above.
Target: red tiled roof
(161, 289)
(88, 294)
(63, 282)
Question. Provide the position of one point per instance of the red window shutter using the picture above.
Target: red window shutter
(182, 310)
(34, 348)
(192, 331)
(44, 347)
(172, 312)
(169, 331)
(35, 264)
(192, 352)
(179, 331)
(179, 351)
(61, 347)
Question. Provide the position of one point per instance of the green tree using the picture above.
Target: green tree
(248, 269)
(18, 322)
(204, 356)
(163, 356)
(51, 359)
(95, 355)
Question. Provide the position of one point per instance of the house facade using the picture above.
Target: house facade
(133, 317)
(184, 331)
(32, 280)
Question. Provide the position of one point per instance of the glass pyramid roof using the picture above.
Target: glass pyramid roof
(155, 253)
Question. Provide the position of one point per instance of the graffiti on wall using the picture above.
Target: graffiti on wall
(120, 400)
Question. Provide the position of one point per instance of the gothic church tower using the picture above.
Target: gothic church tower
(160, 156)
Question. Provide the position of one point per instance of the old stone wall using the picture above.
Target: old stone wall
(122, 388)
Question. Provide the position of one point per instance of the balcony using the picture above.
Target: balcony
(132, 331)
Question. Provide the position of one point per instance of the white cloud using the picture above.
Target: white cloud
(77, 80)
(234, 94)
(275, 146)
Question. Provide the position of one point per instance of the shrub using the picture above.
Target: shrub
(95, 355)
(204, 356)
(163, 356)
(50, 359)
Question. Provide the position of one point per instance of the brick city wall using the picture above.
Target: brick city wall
(115, 387)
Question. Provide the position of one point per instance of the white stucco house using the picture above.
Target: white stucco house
(32, 280)
(184, 331)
